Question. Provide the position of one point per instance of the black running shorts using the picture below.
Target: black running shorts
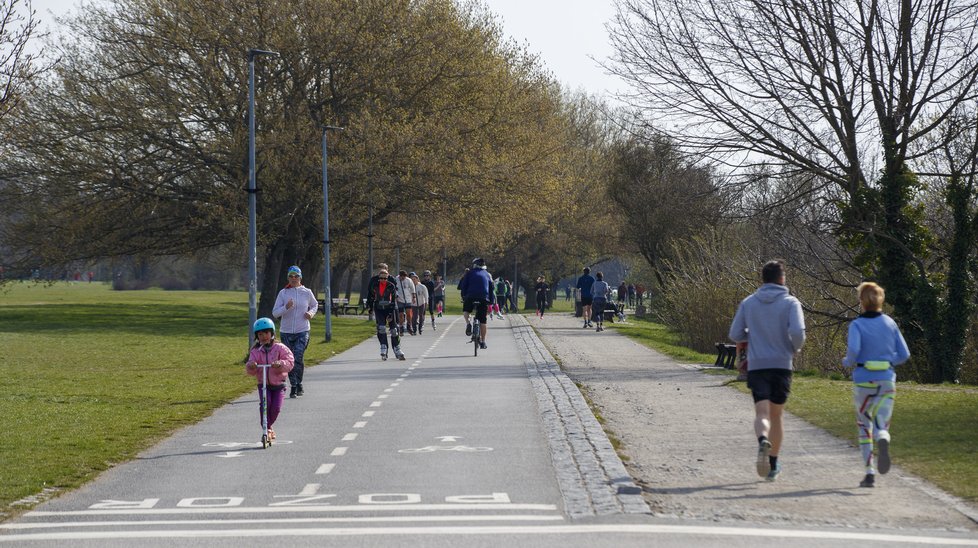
(586, 301)
(770, 384)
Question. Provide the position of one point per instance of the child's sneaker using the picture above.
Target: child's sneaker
(763, 464)
(883, 452)
(774, 473)
(868, 481)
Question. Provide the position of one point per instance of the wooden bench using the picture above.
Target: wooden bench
(342, 306)
(726, 355)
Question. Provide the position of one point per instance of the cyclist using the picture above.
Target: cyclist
(476, 289)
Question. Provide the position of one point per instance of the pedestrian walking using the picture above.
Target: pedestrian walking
(421, 304)
(631, 295)
(772, 323)
(439, 299)
(622, 293)
(268, 352)
(429, 284)
(500, 288)
(600, 292)
(543, 293)
(295, 305)
(406, 296)
(585, 283)
(875, 346)
(382, 299)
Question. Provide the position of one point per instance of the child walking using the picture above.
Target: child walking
(875, 347)
(267, 351)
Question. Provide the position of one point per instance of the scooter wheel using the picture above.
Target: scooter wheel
(265, 442)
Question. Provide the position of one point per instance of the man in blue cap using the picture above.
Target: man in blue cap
(295, 306)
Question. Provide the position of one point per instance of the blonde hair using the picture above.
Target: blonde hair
(871, 296)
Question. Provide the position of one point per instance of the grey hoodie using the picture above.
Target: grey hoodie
(772, 323)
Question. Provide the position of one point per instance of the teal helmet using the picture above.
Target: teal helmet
(264, 323)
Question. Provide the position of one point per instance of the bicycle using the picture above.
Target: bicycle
(475, 329)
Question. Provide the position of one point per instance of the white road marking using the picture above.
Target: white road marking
(395, 384)
(360, 424)
(230, 455)
(310, 508)
(310, 489)
(499, 530)
(388, 390)
(383, 396)
(446, 439)
(338, 452)
(350, 437)
(367, 414)
(363, 519)
(376, 404)
(325, 468)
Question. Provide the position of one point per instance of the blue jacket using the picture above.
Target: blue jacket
(477, 284)
(772, 323)
(875, 336)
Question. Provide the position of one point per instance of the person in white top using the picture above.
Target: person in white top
(295, 305)
(421, 303)
(406, 296)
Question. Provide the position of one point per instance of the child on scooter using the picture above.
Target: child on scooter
(267, 351)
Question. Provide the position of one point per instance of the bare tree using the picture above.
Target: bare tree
(844, 90)
(18, 65)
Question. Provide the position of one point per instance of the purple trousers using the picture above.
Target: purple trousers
(276, 396)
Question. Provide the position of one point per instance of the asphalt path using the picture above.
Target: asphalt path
(443, 449)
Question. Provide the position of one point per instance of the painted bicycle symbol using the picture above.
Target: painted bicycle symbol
(459, 448)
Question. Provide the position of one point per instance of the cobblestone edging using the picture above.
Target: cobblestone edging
(592, 478)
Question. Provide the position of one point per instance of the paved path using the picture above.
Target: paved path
(447, 449)
(690, 443)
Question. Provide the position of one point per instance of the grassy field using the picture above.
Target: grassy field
(935, 427)
(90, 376)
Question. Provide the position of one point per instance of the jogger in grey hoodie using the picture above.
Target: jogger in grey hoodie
(772, 323)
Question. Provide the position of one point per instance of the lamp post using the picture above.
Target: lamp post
(252, 201)
(327, 300)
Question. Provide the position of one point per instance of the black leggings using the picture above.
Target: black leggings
(387, 321)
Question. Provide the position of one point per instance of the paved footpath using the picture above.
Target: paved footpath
(690, 445)
(451, 450)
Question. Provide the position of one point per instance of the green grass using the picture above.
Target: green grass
(90, 376)
(934, 428)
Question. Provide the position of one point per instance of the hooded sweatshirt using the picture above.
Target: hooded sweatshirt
(772, 323)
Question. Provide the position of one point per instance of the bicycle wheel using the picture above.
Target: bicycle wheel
(475, 338)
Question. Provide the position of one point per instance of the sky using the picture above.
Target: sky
(567, 34)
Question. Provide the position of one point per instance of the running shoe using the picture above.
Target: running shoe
(883, 452)
(763, 464)
(468, 330)
(774, 473)
(868, 481)
(483, 346)
(299, 391)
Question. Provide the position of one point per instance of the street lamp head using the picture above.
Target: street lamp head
(337, 128)
(252, 53)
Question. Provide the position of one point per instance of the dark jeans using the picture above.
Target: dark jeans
(297, 343)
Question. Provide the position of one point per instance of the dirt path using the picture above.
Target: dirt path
(689, 443)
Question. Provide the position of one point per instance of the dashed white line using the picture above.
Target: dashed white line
(360, 424)
(338, 452)
(376, 404)
(383, 396)
(367, 414)
(350, 437)
(310, 489)
(325, 468)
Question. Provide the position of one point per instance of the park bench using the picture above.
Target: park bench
(726, 355)
(342, 306)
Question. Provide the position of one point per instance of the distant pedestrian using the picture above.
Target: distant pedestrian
(601, 291)
(406, 296)
(295, 305)
(421, 304)
(429, 284)
(439, 299)
(567, 292)
(268, 352)
(772, 323)
(584, 284)
(542, 295)
(510, 301)
(622, 293)
(382, 299)
(639, 294)
(631, 295)
(500, 289)
(875, 347)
